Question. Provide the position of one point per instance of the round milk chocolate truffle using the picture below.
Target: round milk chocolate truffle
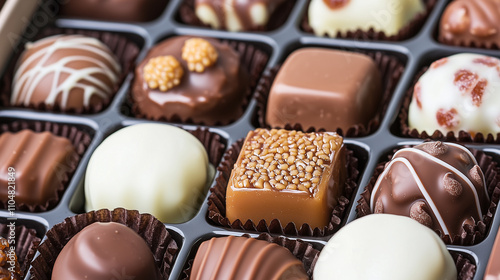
(154, 168)
(440, 185)
(192, 79)
(243, 258)
(458, 93)
(103, 251)
(69, 72)
(468, 23)
(385, 247)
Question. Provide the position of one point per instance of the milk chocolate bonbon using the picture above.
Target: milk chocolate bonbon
(440, 185)
(204, 81)
(114, 10)
(70, 72)
(245, 258)
(469, 23)
(324, 88)
(103, 251)
(35, 163)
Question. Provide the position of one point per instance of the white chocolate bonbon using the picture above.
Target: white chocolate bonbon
(460, 92)
(388, 16)
(154, 168)
(384, 246)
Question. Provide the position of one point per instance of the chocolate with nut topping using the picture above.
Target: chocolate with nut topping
(210, 90)
(437, 184)
(287, 175)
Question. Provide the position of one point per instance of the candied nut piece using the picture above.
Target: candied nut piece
(287, 175)
(199, 54)
(163, 72)
(9, 266)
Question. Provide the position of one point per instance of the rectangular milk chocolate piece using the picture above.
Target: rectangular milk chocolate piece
(287, 175)
(325, 88)
(493, 268)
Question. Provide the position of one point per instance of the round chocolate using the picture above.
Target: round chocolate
(114, 10)
(214, 96)
(466, 22)
(68, 72)
(440, 185)
(103, 251)
(458, 93)
(385, 247)
(243, 258)
(154, 168)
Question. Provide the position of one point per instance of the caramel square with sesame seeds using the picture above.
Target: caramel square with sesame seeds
(287, 175)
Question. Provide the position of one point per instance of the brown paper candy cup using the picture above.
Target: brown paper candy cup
(391, 70)
(302, 250)
(160, 241)
(253, 59)
(278, 17)
(463, 136)
(78, 138)
(410, 30)
(472, 234)
(125, 51)
(465, 267)
(212, 142)
(26, 244)
(217, 202)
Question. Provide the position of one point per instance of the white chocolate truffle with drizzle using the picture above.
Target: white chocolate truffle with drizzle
(341, 16)
(68, 72)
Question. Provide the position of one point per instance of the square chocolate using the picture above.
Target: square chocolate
(290, 176)
(33, 165)
(325, 88)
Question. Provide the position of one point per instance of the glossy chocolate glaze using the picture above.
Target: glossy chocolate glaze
(438, 184)
(214, 96)
(244, 258)
(104, 251)
(40, 161)
(466, 21)
(241, 9)
(114, 10)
